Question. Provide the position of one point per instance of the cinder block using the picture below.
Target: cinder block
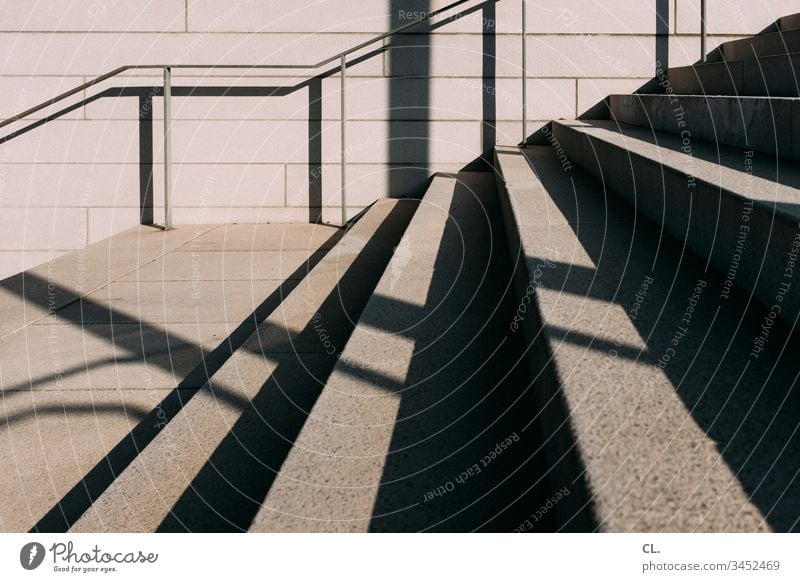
(223, 185)
(304, 16)
(43, 228)
(731, 16)
(75, 141)
(13, 262)
(93, 54)
(94, 16)
(601, 17)
(106, 222)
(403, 142)
(74, 184)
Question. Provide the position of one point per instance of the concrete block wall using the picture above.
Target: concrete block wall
(242, 141)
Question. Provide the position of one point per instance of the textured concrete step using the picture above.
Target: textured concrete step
(210, 466)
(762, 124)
(740, 210)
(646, 377)
(789, 22)
(425, 423)
(775, 76)
(88, 385)
(762, 45)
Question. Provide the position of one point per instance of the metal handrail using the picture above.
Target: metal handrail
(341, 57)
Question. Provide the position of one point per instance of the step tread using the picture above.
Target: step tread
(233, 432)
(762, 45)
(717, 165)
(401, 413)
(662, 448)
(759, 123)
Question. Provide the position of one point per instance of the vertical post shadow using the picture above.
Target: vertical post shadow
(409, 99)
(146, 158)
(489, 105)
(662, 34)
(315, 150)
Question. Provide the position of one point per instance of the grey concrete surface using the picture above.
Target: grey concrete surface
(111, 351)
(229, 441)
(33, 294)
(686, 435)
(789, 22)
(773, 76)
(762, 45)
(738, 211)
(426, 387)
(762, 124)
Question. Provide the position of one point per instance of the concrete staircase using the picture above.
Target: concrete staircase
(661, 245)
(597, 336)
(765, 64)
(278, 378)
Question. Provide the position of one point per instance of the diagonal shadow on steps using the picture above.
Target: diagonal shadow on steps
(465, 389)
(75, 502)
(228, 491)
(748, 406)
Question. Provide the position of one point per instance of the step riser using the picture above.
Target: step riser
(789, 22)
(761, 125)
(708, 220)
(770, 76)
(762, 45)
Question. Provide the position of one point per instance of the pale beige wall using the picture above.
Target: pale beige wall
(76, 179)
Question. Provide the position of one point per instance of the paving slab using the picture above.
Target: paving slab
(265, 237)
(107, 356)
(225, 266)
(33, 294)
(166, 301)
(52, 439)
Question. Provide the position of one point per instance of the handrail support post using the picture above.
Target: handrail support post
(167, 148)
(524, 75)
(703, 31)
(343, 161)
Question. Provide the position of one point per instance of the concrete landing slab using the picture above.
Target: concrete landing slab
(51, 440)
(167, 301)
(265, 237)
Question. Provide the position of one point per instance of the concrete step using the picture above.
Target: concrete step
(211, 464)
(124, 337)
(737, 209)
(789, 22)
(645, 378)
(780, 42)
(425, 423)
(762, 124)
(93, 380)
(774, 76)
